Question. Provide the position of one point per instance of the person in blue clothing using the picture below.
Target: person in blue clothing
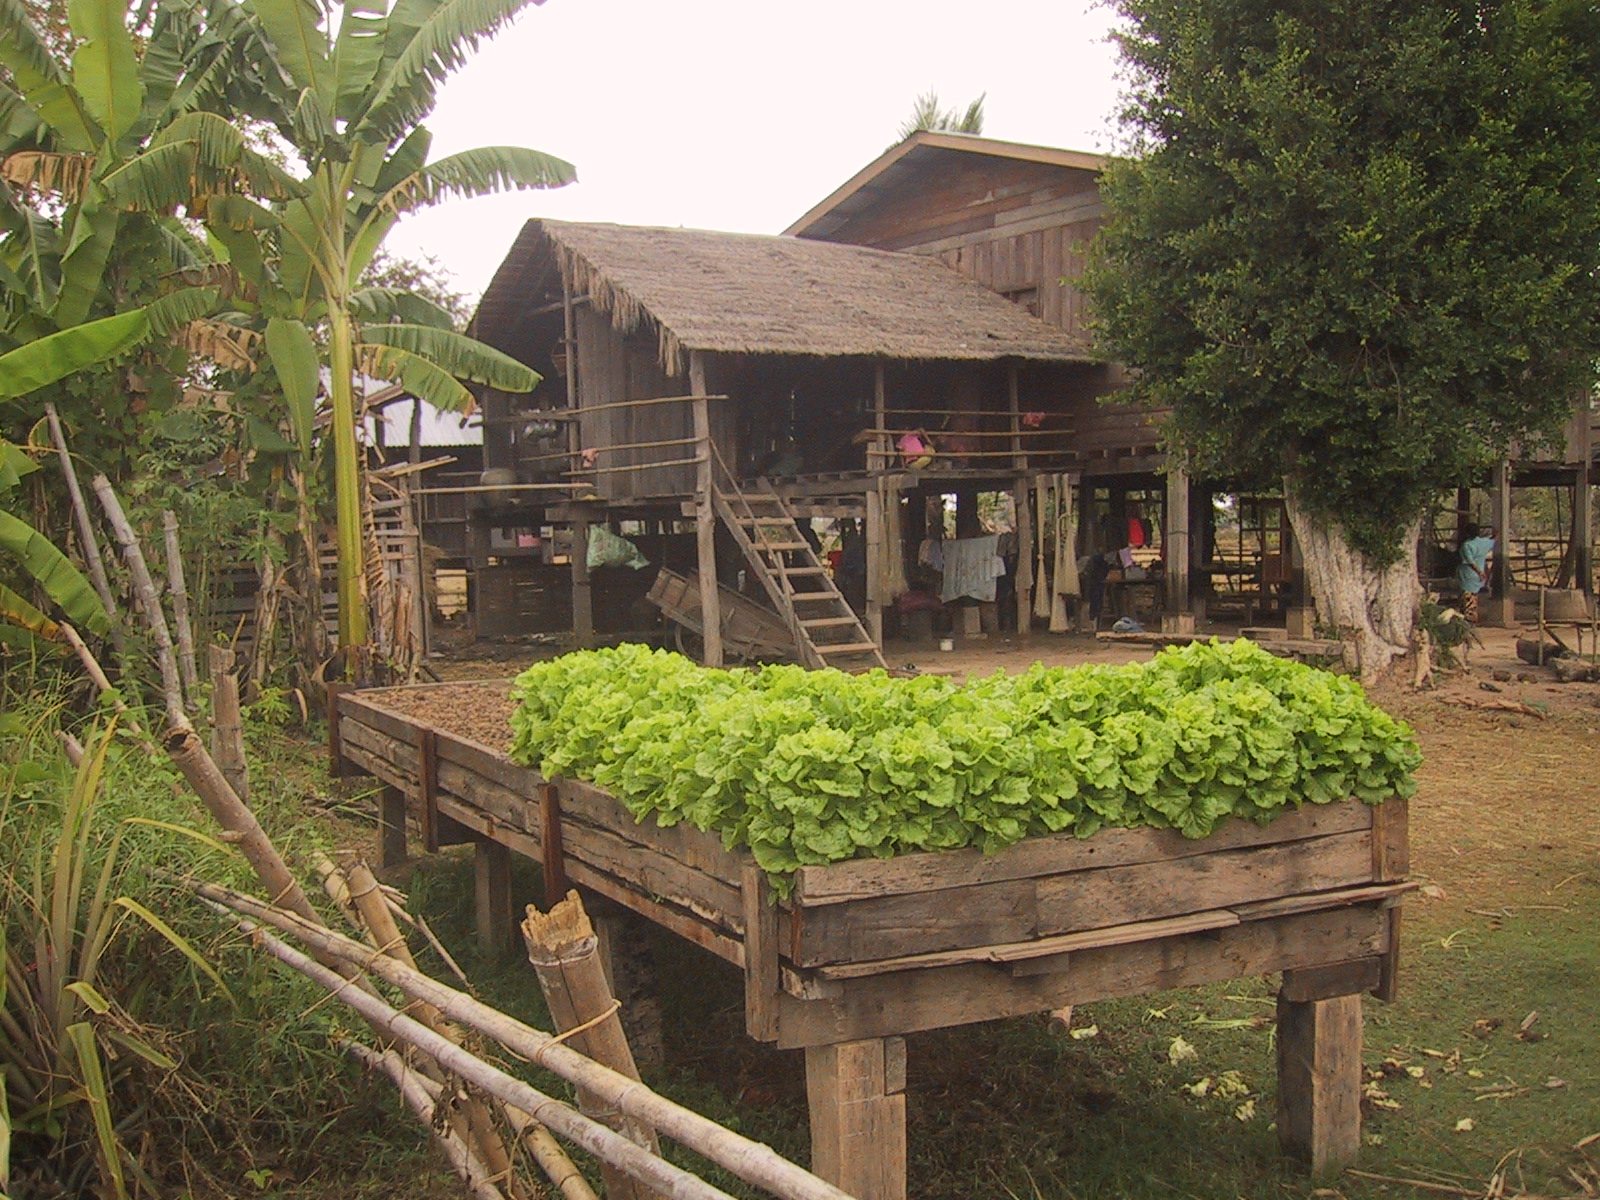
(1473, 573)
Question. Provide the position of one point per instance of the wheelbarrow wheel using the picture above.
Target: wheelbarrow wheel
(690, 644)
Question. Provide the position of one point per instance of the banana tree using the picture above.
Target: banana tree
(36, 365)
(358, 92)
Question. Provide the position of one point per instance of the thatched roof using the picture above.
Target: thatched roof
(737, 293)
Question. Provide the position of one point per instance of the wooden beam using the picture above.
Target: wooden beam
(855, 1092)
(705, 517)
(761, 983)
(877, 562)
(1319, 1080)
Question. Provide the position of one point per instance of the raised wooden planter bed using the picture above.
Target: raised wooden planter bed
(866, 951)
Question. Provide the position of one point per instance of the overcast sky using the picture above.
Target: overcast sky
(742, 114)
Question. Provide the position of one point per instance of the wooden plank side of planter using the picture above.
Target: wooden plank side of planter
(908, 1001)
(918, 923)
(1018, 910)
(690, 846)
(1149, 891)
(392, 760)
(648, 870)
(355, 706)
(859, 879)
(508, 806)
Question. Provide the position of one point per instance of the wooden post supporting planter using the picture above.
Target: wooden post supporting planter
(391, 827)
(565, 953)
(856, 1094)
(1319, 1079)
(491, 874)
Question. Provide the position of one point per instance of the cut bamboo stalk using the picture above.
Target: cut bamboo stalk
(606, 1144)
(565, 953)
(422, 1100)
(89, 543)
(227, 725)
(749, 1160)
(180, 606)
(367, 897)
(144, 589)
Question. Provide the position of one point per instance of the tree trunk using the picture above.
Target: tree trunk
(1373, 608)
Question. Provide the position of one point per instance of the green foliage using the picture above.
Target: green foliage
(817, 766)
(1358, 247)
(926, 114)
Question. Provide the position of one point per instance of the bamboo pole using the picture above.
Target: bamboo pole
(670, 1181)
(749, 1160)
(144, 588)
(565, 954)
(179, 589)
(97, 675)
(422, 1095)
(359, 894)
(227, 727)
(86, 535)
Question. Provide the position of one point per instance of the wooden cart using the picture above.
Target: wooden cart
(866, 951)
(750, 631)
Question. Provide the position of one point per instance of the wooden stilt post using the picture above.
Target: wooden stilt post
(582, 590)
(1319, 1080)
(491, 877)
(877, 565)
(391, 827)
(1019, 498)
(1502, 607)
(705, 514)
(1176, 550)
(856, 1094)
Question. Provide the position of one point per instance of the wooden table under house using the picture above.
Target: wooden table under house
(864, 952)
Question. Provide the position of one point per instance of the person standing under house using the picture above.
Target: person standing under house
(1473, 573)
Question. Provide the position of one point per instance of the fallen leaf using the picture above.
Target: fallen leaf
(1373, 1139)
(1484, 1026)
(1087, 1031)
(1416, 1072)
(1554, 1083)
(1199, 1089)
(1474, 1073)
(1245, 1111)
(1231, 1085)
(1180, 1051)
(1432, 891)
(1465, 1125)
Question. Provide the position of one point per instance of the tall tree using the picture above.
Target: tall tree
(357, 93)
(1358, 250)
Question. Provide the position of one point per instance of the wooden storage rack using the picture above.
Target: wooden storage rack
(864, 952)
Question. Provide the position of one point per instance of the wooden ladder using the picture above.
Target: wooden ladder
(825, 627)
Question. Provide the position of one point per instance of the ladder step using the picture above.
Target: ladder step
(848, 648)
(783, 570)
(827, 622)
(830, 597)
(765, 545)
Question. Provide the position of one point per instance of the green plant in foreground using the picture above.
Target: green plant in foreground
(810, 767)
(64, 1042)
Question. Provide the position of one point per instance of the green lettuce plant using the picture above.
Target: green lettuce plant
(810, 767)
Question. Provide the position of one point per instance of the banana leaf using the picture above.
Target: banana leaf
(54, 572)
